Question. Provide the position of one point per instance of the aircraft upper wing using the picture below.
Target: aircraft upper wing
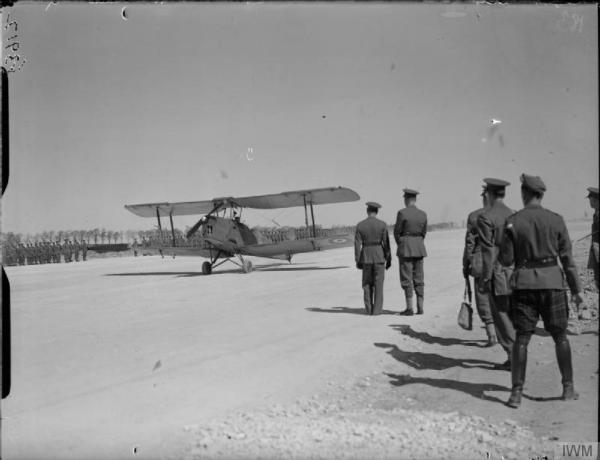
(298, 197)
(278, 200)
(184, 208)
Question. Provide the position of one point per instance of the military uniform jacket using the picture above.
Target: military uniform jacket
(371, 242)
(472, 252)
(535, 238)
(410, 231)
(490, 231)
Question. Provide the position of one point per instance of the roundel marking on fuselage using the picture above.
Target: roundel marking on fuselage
(338, 240)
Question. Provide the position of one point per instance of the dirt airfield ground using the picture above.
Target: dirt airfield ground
(147, 358)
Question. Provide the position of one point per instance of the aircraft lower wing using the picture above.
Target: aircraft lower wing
(285, 249)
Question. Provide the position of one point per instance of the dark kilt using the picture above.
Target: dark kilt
(528, 305)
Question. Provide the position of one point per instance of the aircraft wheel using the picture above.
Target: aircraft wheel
(247, 266)
(206, 268)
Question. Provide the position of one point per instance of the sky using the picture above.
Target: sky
(193, 101)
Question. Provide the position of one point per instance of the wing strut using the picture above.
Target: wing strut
(158, 219)
(172, 229)
(305, 212)
(312, 215)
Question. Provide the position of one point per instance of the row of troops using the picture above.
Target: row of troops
(49, 252)
(521, 262)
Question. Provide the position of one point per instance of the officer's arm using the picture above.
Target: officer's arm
(398, 227)
(506, 256)
(566, 258)
(386, 246)
(425, 227)
(485, 232)
(469, 245)
(357, 246)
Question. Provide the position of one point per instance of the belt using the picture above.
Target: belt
(411, 234)
(371, 243)
(539, 263)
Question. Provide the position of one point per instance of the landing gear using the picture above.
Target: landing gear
(246, 265)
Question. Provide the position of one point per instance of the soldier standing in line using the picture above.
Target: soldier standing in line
(37, 253)
(593, 261)
(20, 254)
(46, 252)
(494, 280)
(472, 266)
(83, 250)
(409, 233)
(28, 254)
(55, 252)
(534, 239)
(67, 251)
(372, 253)
(76, 250)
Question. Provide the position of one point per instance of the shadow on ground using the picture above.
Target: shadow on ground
(433, 361)
(407, 330)
(257, 268)
(477, 390)
(349, 310)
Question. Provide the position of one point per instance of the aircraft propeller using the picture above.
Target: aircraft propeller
(195, 228)
(203, 219)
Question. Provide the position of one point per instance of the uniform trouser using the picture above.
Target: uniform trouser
(411, 275)
(482, 302)
(596, 268)
(505, 331)
(372, 283)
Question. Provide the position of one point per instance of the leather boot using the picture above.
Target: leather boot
(419, 305)
(563, 356)
(490, 329)
(409, 307)
(518, 368)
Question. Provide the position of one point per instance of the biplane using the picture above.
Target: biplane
(223, 237)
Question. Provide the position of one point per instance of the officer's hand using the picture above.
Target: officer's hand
(466, 272)
(578, 299)
(359, 265)
(484, 286)
(388, 263)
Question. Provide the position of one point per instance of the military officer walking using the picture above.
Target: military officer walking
(409, 233)
(534, 239)
(472, 266)
(495, 279)
(593, 261)
(373, 256)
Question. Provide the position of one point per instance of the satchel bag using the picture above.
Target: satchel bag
(465, 314)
